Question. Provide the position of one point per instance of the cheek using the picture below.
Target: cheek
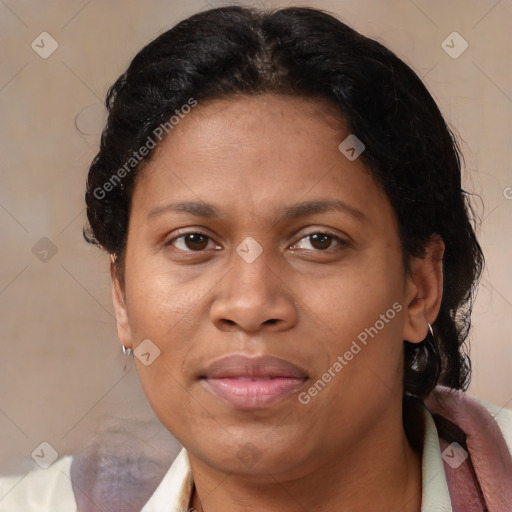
(175, 408)
(363, 308)
(355, 297)
(162, 301)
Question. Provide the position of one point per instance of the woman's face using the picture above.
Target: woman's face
(251, 234)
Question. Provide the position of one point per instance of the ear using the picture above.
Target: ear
(424, 291)
(123, 324)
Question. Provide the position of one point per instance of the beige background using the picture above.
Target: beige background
(63, 378)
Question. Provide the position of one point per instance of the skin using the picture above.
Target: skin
(250, 157)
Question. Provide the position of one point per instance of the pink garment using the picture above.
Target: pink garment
(484, 481)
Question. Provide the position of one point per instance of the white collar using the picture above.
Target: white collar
(435, 495)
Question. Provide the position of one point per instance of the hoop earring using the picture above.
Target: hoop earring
(127, 351)
(431, 341)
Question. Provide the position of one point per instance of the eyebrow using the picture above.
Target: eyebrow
(207, 210)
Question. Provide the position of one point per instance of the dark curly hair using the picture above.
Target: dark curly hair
(306, 52)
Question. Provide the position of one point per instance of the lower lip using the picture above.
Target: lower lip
(254, 394)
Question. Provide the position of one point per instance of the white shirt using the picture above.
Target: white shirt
(50, 490)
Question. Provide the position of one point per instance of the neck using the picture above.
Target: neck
(379, 473)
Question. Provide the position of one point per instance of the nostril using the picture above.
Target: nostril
(271, 321)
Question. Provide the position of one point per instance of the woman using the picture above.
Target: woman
(293, 264)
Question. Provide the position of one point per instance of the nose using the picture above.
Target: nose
(253, 296)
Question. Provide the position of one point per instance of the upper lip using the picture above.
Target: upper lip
(238, 365)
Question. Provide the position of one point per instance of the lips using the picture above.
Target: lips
(253, 382)
(236, 366)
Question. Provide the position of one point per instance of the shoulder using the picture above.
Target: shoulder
(117, 471)
(473, 415)
(41, 490)
(482, 434)
(503, 417)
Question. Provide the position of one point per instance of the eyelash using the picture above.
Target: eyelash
(340, 241)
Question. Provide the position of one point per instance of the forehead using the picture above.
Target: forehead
(262, 150)
(242, 121)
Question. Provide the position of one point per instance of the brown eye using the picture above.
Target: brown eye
(196, 241)
(320, 240)
(191, 242)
